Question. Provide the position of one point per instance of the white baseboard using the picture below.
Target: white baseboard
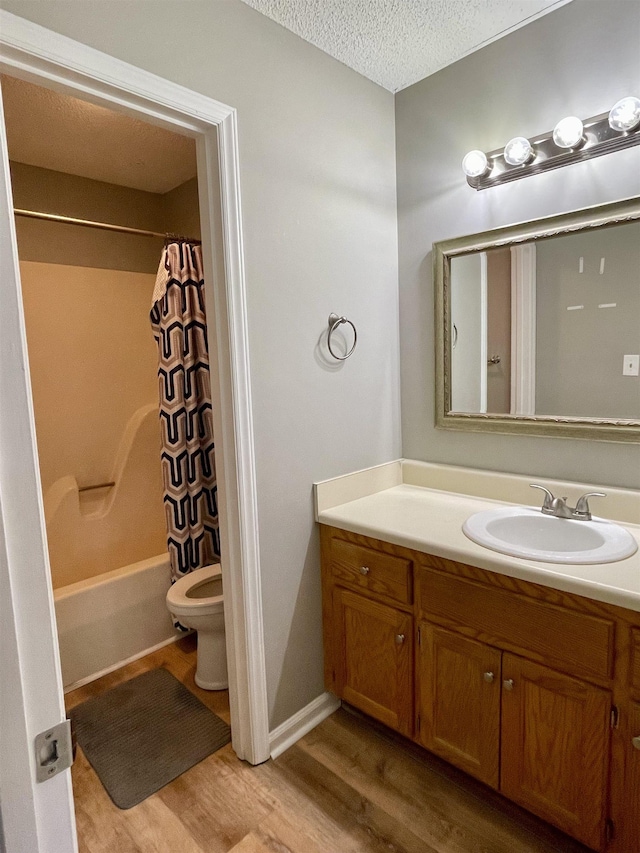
(94, 676)
(287, 733)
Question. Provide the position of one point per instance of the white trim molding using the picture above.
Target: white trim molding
(307, 718)
(33, 53)
(484, 317)
(523, 329)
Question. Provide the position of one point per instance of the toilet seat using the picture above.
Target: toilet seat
(180, 598)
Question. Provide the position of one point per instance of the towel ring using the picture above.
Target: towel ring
(334, 322)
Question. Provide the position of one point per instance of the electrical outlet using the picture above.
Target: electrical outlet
(631, 365)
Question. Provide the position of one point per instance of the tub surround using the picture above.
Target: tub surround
(107, 621)
(98, 531)
(422, 506)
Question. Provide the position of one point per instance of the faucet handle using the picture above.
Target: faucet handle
(548, 496)
(582, 507)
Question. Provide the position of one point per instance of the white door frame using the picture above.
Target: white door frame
(484, 310)
(48, 59)
(523, 329)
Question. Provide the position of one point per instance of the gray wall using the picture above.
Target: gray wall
(317, 160)
(580, 353)
(580, 60)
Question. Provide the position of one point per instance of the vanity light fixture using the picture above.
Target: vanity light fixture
(569, 133)
(475, 164)
(571, 141)
(625, 115)
(518, 151)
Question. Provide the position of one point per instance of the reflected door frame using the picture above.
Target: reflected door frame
(523, 329)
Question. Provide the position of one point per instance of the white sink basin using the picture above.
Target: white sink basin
(525, 532)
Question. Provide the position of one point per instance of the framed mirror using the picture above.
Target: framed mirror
(538, 326)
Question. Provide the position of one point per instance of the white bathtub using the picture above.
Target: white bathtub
(112, 619)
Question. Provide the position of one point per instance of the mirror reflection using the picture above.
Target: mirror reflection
(549, 327)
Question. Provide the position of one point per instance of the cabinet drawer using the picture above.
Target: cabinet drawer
(634, 672)
(575, 642)
(366, 569)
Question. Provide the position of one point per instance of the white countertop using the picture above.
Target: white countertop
(430, 520)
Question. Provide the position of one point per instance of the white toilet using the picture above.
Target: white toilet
(195, 601)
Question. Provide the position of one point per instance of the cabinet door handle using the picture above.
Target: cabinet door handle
(488, 676)
(364, 570)
(636, 742)
(399, 639)
(508, 684)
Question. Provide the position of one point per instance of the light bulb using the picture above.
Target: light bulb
(625, 115)
(475, 164)
(569, 133)
(518, 151)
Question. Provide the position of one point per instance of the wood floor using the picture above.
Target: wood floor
(349, 786)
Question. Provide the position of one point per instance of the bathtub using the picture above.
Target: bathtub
(112, 619)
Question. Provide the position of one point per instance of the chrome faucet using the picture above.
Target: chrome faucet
(560, 509)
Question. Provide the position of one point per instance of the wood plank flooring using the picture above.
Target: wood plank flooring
(349, 786)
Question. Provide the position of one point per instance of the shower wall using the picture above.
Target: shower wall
(87, 296)
(92, 360)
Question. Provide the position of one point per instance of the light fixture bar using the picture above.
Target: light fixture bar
(600, 138)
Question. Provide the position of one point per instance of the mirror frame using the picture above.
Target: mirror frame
(600, 429)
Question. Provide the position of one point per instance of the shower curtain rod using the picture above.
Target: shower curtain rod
(105, 226)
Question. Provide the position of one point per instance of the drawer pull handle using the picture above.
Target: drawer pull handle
(508, 684)
(636, 742)
(364, 570)
(399, 639)
(488, 677)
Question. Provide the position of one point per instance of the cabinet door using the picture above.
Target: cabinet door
(459, 701)
(375, 659)
(555, 747)
(632, 780)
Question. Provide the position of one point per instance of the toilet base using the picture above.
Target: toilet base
(206, 685)
(211, 668)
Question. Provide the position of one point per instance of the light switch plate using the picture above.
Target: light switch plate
(631, 365)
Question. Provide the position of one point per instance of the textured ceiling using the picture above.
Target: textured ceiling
(393, 42)
(397, 42)
(58, 132)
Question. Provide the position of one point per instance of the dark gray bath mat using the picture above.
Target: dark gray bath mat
(142, 734)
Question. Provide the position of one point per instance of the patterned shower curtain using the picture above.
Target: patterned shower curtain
(188, 461)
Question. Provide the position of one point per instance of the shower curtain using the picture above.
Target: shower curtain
(187, 450)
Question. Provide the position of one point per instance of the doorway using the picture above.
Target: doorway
(92, 200)
(34, 54)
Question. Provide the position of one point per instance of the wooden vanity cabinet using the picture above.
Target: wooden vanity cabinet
(459, 701)
(548, 730)
(555, 735)
(374, 669)
(630, 748)
(632, 781)
(534, 691)
(368, 630)
(536, 735)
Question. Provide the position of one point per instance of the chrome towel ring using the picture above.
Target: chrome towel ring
(334, 322)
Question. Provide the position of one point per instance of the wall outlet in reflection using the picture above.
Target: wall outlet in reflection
(631, 365)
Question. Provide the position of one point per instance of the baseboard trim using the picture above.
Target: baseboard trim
(94, 677)
(287, 733)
